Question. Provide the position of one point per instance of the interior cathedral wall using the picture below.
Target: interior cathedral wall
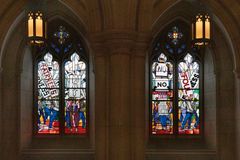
(118, 36)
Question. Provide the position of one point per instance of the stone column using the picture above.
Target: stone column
(237, 84)
(101, 99)
(10, 81)
(10, 118)
(119, 100)
(1, 111)
(120, 117)
(226, 95)
(138, 94)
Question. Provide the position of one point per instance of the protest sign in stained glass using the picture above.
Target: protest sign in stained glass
(61, 82)
(48, 96)
(175, 83)
(162, 96)
(188, 95)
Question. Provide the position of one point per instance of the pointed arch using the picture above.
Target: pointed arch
(175, 83)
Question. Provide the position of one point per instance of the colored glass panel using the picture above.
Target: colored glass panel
(162, 117)
(188, 115)
(75, 95)
(175, 35)
(188, 96)
(61, 35)
(48, 93)
(162, 96)
(48, 96)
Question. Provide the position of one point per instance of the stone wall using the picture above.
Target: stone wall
(118, 36)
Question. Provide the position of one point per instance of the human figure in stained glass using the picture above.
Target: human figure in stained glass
(68, 116)
(41, 112)
(75, 116)
(47, 112)
(155, 113)
(61, 94)
(163, 113)
(196, 112)
(190, 110)
(53, 114)
(82, 112)
(183, 107)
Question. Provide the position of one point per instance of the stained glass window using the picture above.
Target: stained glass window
(175, 90)
(162, 96)
(48, 95)
(75, 95)
(61, 103)
(188, 96)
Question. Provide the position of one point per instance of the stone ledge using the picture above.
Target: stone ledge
(180, 152)
(57, 154)
(182, 155)
(57, 151)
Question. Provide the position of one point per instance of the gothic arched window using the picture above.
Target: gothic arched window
(175, 84)
(61, 83)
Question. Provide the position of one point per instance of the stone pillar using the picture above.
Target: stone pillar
(226, 105)
(101, 100)
(237, 83)
(10, 104)
(138, 93)
(119, 101)
(120, 116)
(10, 118)
(1, 111)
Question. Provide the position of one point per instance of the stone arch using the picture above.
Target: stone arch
(221, 60)
(16, 81)
(188, 8)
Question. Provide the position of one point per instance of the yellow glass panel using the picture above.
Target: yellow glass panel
(30, 26)
(46, 30)
(39, 27)
(192, 31)
(207, 29)
(199, 28)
